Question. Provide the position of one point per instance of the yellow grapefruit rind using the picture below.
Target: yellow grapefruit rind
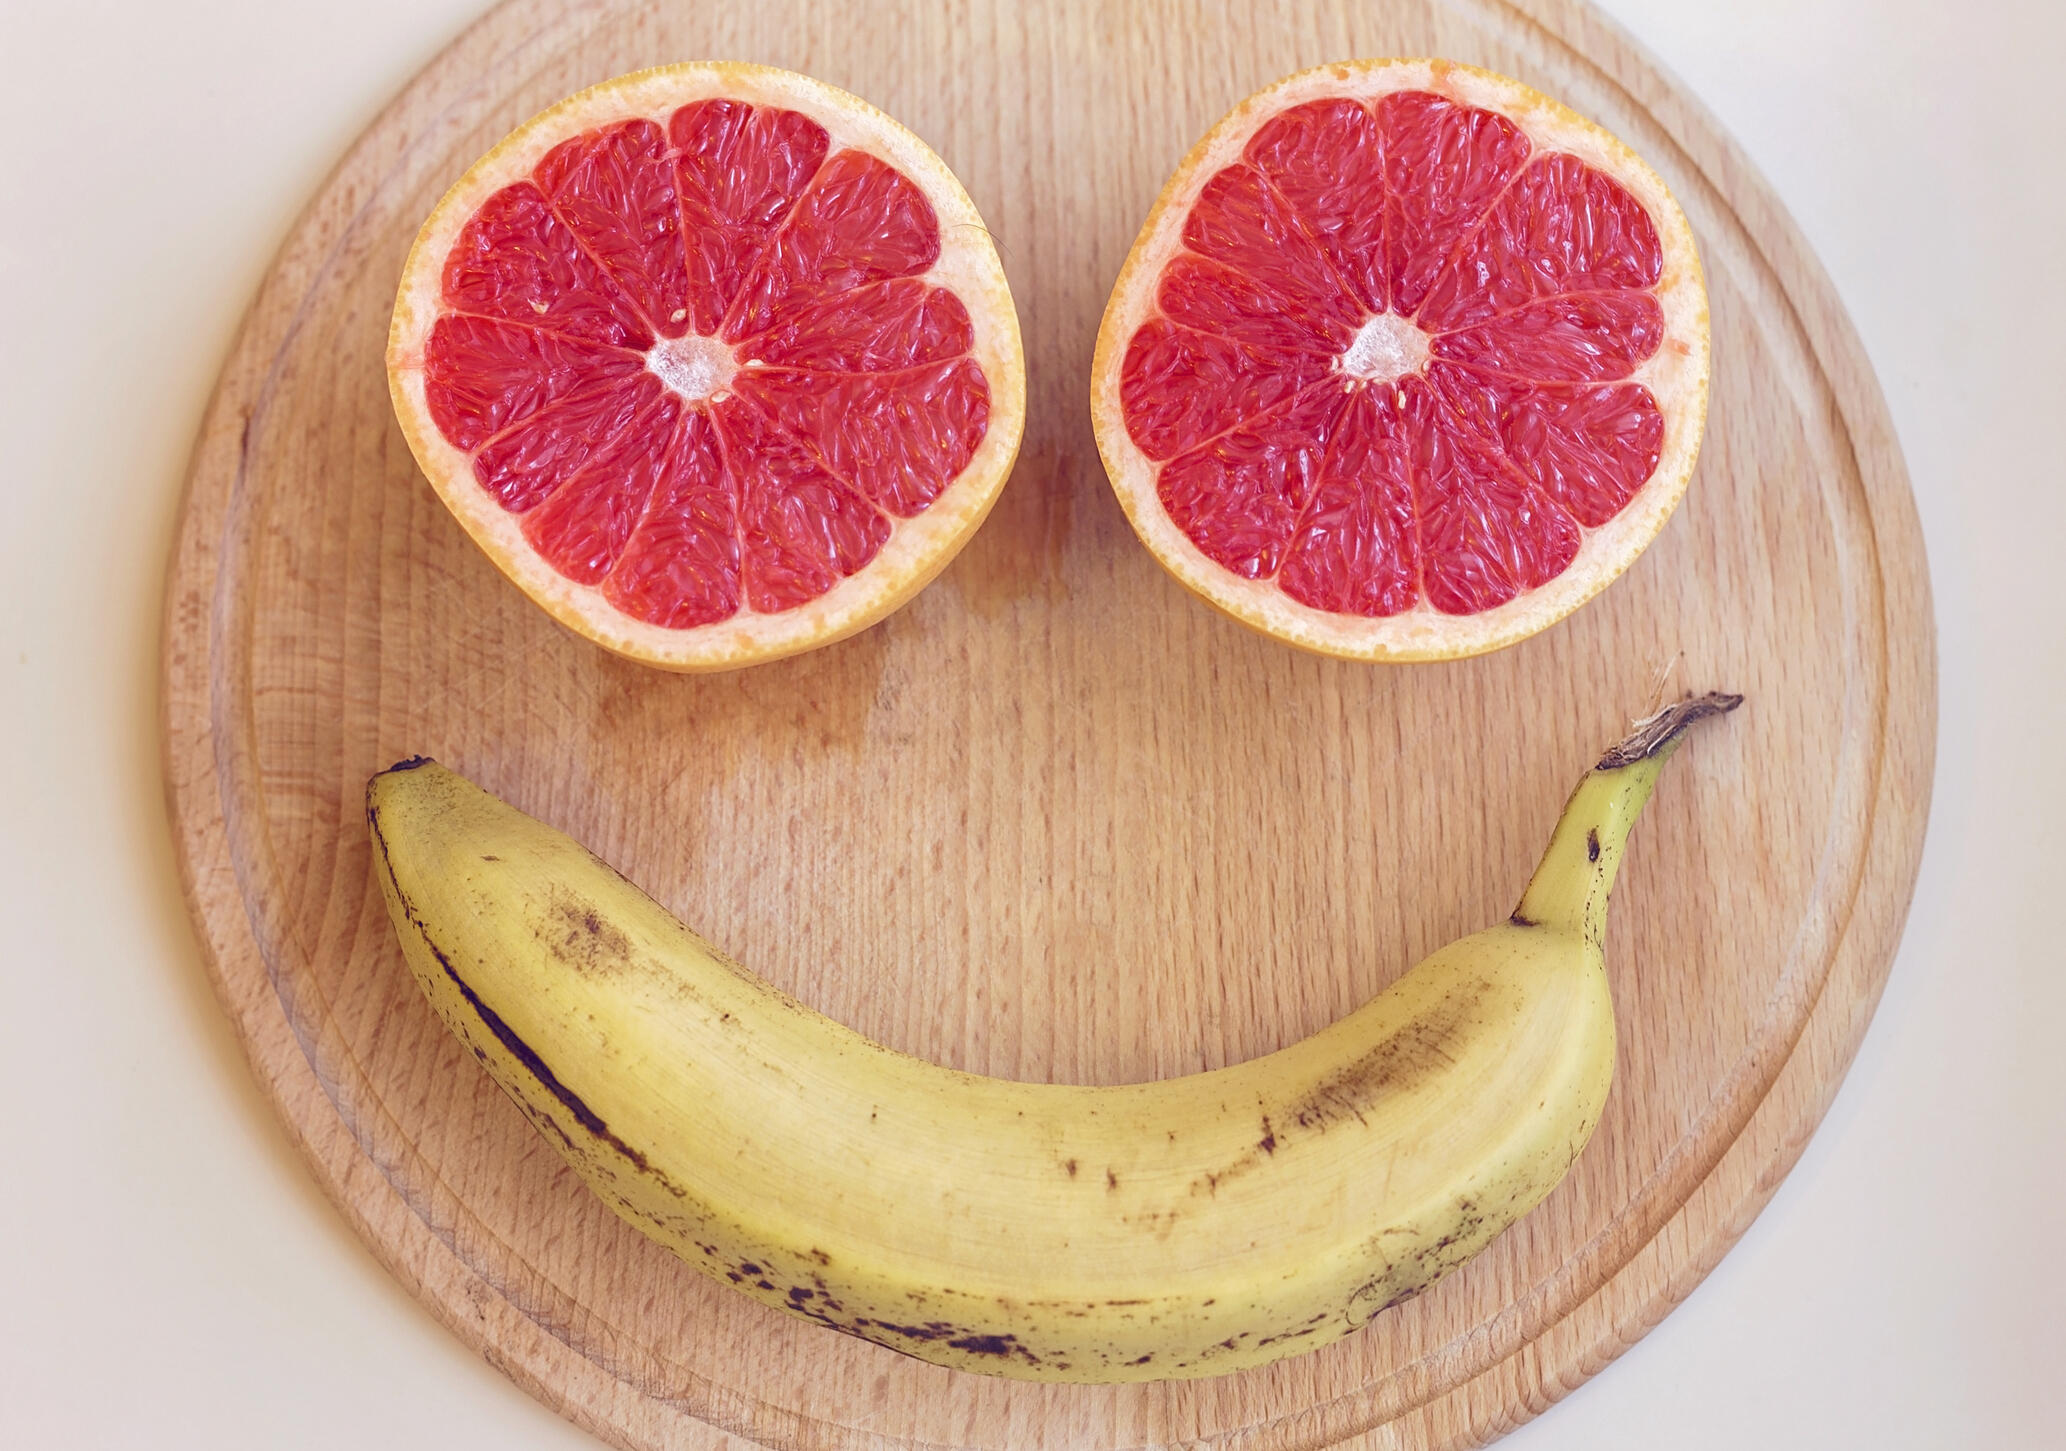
(1676, 375)
(918, 548)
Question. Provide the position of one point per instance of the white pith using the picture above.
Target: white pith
(1385, 348)
(918, 547)
(1676, 374)
(694, 367)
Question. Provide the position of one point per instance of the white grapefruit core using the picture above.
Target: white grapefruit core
(717, 363)
(1407, 363)
(695, 368)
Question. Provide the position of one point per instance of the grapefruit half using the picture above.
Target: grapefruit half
(716, 362)
(1407, 363)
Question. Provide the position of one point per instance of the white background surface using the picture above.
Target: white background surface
(171, 1277)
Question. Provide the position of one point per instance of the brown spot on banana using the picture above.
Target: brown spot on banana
(1417, 1048)
(581, 937)
(1420, 1047)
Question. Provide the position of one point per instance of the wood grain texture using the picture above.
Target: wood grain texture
(1056, 819)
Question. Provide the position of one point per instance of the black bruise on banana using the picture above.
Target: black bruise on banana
(816, 1302)
(1311, 1327)
(507, 1036)
(956, 1337)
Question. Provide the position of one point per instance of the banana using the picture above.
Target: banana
(1187, 1227)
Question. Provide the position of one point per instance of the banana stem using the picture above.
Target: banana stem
(1569, 889)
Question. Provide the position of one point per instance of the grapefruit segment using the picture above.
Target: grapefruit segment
(1226, 303)
(1575, 337)
(613, 189)
(522, 465)
(1354, 550)
(1407, 362)
(1325, 159)
(879, 328)
(715, 362)
(860, 220)
(1590, 449)
(895, 438)
(1444, 163)
(582, 526)
(803, 529)
(516, 260)
(1240, 495)
(1485, 534)
(483, 374)
(1181, 387)
(740, 170)
(1242, 222)
(1561, 227)
(681, 567)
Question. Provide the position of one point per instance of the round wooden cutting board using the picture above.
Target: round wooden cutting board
(1056, 819)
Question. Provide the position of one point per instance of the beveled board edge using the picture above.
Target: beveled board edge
(201, 762)
(1739, 1185)
(198, 765)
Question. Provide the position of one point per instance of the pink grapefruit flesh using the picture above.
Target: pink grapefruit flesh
(716, 362)
(1408, 362)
